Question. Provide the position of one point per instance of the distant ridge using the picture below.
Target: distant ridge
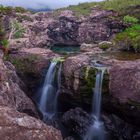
(40, 10)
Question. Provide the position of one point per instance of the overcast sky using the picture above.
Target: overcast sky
(36, 4)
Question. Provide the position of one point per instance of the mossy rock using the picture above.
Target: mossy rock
(23, 64)
(87, 83)
(105, 45)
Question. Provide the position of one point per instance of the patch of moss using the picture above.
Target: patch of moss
(23, 64)
(87, 83)
(58, 59)
(105, 46)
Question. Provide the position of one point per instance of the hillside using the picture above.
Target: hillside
(121, 6)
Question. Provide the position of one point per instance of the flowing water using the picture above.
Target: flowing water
(48, 100)
(96, 130)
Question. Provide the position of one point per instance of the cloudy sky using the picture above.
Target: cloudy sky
(36, 4)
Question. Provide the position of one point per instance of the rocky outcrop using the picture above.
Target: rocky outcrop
(11, 92)
(99, 26)
(65, 29)
(35, 30)
(15, 126)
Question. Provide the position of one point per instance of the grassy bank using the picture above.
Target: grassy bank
(120, 6)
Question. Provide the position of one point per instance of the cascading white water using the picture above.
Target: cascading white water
(96, 130)
(48, 100)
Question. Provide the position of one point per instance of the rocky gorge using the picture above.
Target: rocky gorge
(23, 70)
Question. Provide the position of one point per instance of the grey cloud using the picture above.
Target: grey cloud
(42, 3)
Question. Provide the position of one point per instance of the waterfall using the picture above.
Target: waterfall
(48, 100)
(96, 107)
(96, 130)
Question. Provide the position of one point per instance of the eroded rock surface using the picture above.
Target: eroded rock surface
(15, 126)
(124, 81)
(11, 92)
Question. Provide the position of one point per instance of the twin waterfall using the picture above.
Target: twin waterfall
(50, 92)
(48, 100)
(96, 130)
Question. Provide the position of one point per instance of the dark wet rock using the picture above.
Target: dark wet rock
(69, 138)
(77, 121)
(119, 129)
(65, 29)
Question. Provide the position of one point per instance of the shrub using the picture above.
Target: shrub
(130, 38)
(130, 19)
(19, 30)
(5, 43)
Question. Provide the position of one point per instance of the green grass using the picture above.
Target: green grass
(116, 5)
(8, 10)
(119, 5)
(130, 19)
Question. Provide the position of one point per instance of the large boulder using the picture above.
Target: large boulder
(77, 121)
(72, 67)
(124, 91)
(125, 81)
(15, 126)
